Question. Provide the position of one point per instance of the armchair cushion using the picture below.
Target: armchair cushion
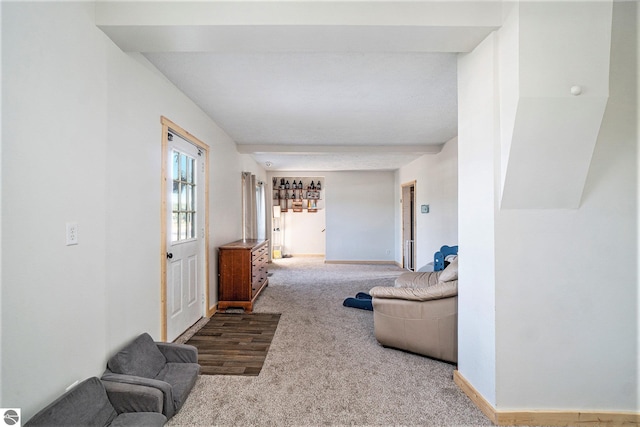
(168, 405)
(141, 358)
(412, 279)
(182, 377)
(450, 272)
(139, 419)
(88, 404)
(85, 404)
(147, 399)
(440, 290)
(178, 353)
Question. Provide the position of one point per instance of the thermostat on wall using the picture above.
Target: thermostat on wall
(424, 208)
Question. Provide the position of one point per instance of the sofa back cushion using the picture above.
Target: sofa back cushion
(141, 358)
(86, 404)
(450, 273)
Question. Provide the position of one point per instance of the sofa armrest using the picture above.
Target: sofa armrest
(134, 397)
(412, 279)
(168, 405)
(439, 291)
(178, 353)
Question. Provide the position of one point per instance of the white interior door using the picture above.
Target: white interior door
(185, 236)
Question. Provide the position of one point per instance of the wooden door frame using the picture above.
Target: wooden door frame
(414, 223)
(168, 125)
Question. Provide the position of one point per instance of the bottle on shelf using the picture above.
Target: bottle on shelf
(294, 185)
(319, 186)
(286, 185)
(312, 187)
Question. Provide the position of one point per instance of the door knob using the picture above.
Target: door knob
(169, 255)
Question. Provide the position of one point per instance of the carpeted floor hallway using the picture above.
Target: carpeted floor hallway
(325, 367)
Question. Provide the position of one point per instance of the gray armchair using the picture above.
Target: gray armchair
(145, 367)
(88, 404)
(419, 314)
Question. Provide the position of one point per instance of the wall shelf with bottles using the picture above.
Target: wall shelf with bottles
(297, 194)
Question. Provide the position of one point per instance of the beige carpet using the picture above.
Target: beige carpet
(325, 367)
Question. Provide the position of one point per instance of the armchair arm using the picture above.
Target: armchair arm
(168, 405)
(439, 291)
(133, 397)
(178, 353)
(412, 279)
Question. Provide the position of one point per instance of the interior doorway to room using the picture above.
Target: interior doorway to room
(184, 291)
(408, 226)
(298, 216)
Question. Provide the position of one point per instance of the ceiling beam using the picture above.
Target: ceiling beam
(319, 149)
(298, 26)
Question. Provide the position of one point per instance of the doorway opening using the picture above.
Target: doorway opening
(408, 226)
(298, 216)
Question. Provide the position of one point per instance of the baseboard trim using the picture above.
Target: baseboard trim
(306, 255)
(360, 262)
(477, 399)
(546, 418)
(212, 310)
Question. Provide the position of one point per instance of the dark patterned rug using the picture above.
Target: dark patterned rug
(235, 343)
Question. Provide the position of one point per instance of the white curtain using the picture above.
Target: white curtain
(253, 207)
(261, 210)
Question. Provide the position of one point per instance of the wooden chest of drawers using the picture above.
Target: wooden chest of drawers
(242, 273)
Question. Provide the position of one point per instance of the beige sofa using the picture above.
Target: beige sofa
(420, 313)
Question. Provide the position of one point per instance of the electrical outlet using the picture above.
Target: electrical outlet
(72, 233)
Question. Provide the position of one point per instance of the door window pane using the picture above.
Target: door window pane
(175, 164)
(190, 166)
(183, 197)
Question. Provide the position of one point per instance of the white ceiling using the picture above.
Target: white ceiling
(313, 89)
(326, 99)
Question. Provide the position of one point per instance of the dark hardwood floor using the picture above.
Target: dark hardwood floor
(235, 344)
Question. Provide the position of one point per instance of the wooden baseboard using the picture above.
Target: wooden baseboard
(212, 310)
(477, 399)
(561, 418)
(545, 418)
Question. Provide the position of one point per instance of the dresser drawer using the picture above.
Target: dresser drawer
(260, 252)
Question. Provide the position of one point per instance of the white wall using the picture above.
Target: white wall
(477, 133)
(360, 216)
(567, 280)
(304, 232)
(136, 100)
(54, 141)
(81, 142)
(436, 177)
(1, 216)
(548, 313)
